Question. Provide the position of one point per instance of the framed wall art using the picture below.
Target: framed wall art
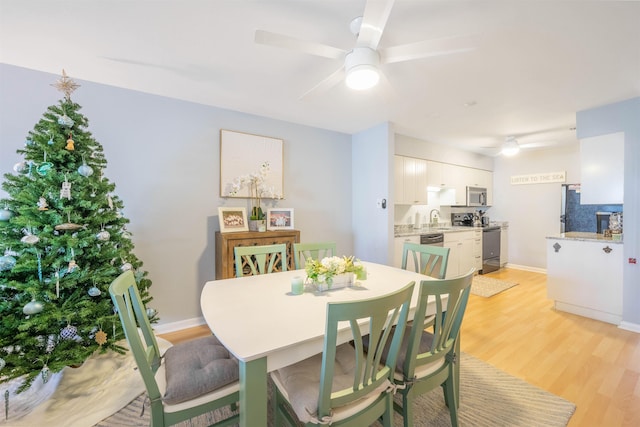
(232, 219)
(280, 219)
(249, 162)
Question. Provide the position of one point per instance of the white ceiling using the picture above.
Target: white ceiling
(534, 63)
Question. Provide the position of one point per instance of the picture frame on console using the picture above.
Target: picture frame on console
(280, 219)
(232, 219)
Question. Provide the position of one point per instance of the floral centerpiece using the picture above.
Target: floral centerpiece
(258, 189)
(325, 270)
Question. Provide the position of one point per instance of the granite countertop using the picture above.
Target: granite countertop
(583, 236)
(431, 230)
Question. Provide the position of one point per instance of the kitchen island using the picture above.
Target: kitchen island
(584, 275)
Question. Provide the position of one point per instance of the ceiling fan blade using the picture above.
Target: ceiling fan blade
(539, 144)
(326, 84)
(425, 49)
(287, 42)
(374, 19)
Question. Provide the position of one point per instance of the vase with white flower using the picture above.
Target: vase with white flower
(258, 187)
(334, 272)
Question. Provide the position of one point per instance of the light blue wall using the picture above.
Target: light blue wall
(163, 156)
(623, 117)
(371, 176)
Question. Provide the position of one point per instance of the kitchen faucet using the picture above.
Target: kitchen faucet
(434, 220)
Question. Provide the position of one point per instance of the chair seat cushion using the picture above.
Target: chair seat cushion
(197, 367)
(300, 384)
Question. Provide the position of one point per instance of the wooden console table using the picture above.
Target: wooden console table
(225, 242)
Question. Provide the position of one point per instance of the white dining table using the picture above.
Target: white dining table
(266, 327)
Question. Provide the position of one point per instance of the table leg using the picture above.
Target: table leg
(253, 393)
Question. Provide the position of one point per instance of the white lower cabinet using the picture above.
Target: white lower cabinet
(477, 250)
(462, 250)
(504, 245)
(398, 245)
(585, 278)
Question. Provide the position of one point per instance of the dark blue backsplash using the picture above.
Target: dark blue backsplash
(583, 217)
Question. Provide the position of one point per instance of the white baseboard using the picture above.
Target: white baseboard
(165, 328)
(628, 326)
(526, 268)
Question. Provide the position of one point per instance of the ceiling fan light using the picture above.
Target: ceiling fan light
(361, 65)
(362, 77)
(510, 147)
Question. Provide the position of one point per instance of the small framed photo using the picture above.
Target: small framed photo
(232, 219)
(280, 219)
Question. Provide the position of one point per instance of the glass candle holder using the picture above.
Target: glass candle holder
(297, 285)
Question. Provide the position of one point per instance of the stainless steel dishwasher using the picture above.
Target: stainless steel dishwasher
(490, 249)
(433, 239)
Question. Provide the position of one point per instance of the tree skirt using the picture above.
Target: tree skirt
(104, 384)
(487, 286)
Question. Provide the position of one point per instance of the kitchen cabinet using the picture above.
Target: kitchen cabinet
(398, 245)
(410, 181)
(454, 187)
(584, 277)
(477, 250)
(462, 252)
(602, 169)
(504, 245)
(453, 181)
(481, 178)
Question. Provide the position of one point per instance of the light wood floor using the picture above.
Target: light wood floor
(590, 363)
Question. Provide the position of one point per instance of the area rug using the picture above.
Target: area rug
(487, 286)
(488, 397)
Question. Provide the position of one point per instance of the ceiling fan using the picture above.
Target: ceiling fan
(512, 143)
(360, 66)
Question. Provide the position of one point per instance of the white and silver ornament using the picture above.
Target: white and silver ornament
(5, 214)
(7, 262)
(33, 307)
(103, 236)
(65, 120)
(94, 291)
(126, 266)
(151, 312)
(85, 170)
(20, 167)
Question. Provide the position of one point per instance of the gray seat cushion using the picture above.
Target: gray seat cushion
(197, 367)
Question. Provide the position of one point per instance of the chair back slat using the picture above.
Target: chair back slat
(379, 314)
(264, 259)
(427, 259)
(304, 251)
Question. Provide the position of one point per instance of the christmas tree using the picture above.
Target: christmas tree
(63, 240)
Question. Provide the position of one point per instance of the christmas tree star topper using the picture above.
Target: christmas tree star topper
(66, 85)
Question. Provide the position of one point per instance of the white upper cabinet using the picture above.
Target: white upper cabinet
(481, 178)
(602, 169)
(410, 181)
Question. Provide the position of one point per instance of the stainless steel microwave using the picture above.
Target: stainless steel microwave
(476, 196)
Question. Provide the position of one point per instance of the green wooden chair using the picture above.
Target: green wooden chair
(428, 360)
(427, 259)
(190, 379)
(260, 259)
(302, 251)
(344, 385)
